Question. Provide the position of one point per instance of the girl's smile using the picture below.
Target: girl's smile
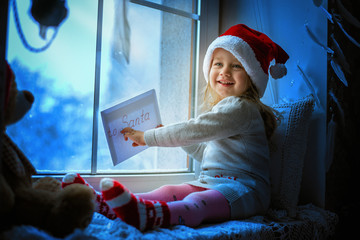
(227, 75)
(225, 82)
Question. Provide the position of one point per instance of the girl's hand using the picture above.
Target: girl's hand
(136, 136)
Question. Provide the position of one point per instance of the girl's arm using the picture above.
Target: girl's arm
(195, 151)
(230, 117)
(136, 136)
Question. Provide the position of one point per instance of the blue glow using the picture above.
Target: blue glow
(56, 133)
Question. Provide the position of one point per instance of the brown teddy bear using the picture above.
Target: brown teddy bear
(43, 204)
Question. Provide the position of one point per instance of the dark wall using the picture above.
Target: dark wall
(342, 185)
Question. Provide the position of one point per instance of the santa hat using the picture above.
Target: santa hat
(254, 50)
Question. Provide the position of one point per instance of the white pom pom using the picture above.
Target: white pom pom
(69, 178)
(106, 184)
(278, 70)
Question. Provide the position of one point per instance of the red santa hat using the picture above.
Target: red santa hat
(254, 50)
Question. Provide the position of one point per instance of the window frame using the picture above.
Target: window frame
(207, 30)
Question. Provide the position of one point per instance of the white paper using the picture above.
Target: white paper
(140, 113)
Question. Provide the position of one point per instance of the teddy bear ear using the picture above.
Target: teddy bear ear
(9, 74)
(20, 107)
(17, 103)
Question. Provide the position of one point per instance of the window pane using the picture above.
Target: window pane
(160, 57)
(183, 5)
(56, 134)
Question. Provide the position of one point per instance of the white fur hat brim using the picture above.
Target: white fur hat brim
(245, 55)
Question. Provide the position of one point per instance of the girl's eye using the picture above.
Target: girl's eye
(217, 64)
(237, 66)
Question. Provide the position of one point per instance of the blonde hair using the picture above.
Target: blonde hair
(211, 98)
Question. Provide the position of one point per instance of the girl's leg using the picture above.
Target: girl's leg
(169, 193)
(100, 204)
(140, 213)
(199, 207)
(194, 209)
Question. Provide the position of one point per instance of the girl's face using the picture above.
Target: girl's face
(227, 76)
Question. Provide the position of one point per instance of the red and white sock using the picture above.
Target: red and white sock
(140, 213)
(100, 204)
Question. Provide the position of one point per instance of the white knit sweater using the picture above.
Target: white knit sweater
(230, 142)
(231, 137)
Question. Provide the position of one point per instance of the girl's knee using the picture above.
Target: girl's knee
(213, 204)
(180, 191)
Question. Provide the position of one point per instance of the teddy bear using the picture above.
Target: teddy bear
(43, 203)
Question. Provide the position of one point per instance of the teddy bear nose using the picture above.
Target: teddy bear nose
(29, 96)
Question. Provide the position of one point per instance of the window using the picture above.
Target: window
(104, 51)
(160, 56)
(56, 134)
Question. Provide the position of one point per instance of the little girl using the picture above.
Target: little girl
(230, 139)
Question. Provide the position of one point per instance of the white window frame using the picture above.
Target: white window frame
(208, 30)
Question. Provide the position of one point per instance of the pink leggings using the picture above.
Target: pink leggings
(191, 205)
(187, 204)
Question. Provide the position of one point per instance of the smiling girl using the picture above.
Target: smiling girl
(230, 140)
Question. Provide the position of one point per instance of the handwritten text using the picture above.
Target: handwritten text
(142, 118)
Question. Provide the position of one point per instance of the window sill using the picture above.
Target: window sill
(136, 183)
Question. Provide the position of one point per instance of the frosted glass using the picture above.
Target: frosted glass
(183, 5)
(160, 57)
(56, 134)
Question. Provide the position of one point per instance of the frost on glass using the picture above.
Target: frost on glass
(183, 5)
(156, 53)
(159, 57)
(56, 134)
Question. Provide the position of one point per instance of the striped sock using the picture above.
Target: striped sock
(140, 213)
(100, 204)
